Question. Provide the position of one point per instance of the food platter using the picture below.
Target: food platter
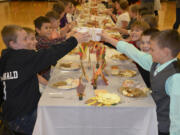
(134, 92)
(115, 71)
(69, 83)
(119, 57)
(128, 83)
(104, 99)
(127, 73)
(69, 66)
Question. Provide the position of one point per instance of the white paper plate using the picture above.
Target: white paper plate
(74, 66)
(71, 84)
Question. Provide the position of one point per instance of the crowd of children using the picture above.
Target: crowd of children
(25, 64)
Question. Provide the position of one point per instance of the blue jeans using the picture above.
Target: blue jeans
(24, 124)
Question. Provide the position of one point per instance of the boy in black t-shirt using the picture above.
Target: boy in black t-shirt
(19, 75)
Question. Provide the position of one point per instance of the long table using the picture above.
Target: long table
(67, 115)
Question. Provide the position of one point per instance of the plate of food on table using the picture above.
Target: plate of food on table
(92, 23)
(68, 83)
(121, 57)
(116, 71)
(134, 92)
(127, 73)
(130, 89)
(103, 98)
(69, 66)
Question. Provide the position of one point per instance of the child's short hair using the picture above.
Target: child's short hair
(151, 20)
(168, 39)
(134, 8)
(29, 30)
(52, 15)
(115, 1)
(59, 7)
(150, 32)
(124, 4)
(9, 33)
(40, 20)
(140, 25)
(132, 1)
(65, 2)
(75, 3)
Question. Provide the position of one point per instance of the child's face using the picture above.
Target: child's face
(55, 23)
(135, 34)
(68, 8)
(158, 54)
(21, 41)
(138, 17)
(73, 9)
(145, 43)
(132, 15)
(31, 41)
(117, 6)
(45, 30)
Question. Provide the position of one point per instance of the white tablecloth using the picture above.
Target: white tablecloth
(67, 115)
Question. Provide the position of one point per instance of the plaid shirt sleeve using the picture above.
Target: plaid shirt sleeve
(46, 43)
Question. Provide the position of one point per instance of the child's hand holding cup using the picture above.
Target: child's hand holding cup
(82, 36)
(94, 33)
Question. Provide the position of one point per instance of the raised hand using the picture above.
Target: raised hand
(106, 38)
(82, 37)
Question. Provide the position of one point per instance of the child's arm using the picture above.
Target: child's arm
(143, 59)
(42, 80)
(113, 16)
(123, 31)
(40, 60)
(65, 30)
(172, 87)
(69, 34)
(110, 13)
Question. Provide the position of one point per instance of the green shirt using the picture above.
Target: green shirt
(172, 85)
